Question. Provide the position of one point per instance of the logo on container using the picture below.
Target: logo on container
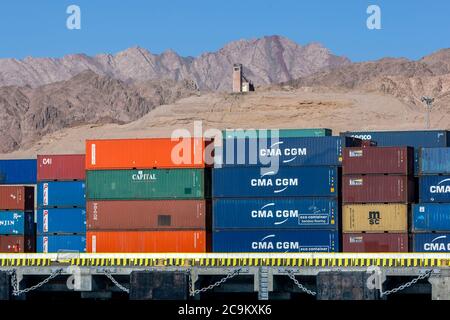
(45, 244)
(45, 220)
(362, 136)
(141, 176)
(281, 184)
(437, 244)
(46, 161)
(439, 188)
(275, 151)
(45, 194)
(267, 212)
(269, 243)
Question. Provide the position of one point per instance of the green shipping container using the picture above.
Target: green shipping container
(283, 133)
(147, 184)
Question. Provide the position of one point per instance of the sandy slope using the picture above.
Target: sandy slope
(278, 108)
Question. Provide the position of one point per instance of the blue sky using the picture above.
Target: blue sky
(410, 29)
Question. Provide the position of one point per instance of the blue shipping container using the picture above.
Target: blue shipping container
(62, 194)
(249, 182)
(415, 139)
(16, 223)
(276, 241)
(434, 161)
(71, 220)
(428, 217)
(308, 151)
(434, 188)
(431, 242)
(23, 171)
(281, 213)
(61, 243)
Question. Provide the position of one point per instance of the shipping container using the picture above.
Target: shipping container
(415, 139)
(147, 215)
(248, 182)
(273, 240)
(67, 221)
(380, 160)
(431, 242)
(375, 217)
(378, 189)
(148, 153)
(16, 198)
(61, 243)
(375, 242)
(21, 171)
(146, 241)
(62, 194)
(428, 217)
(17, 244)
(16, 222)
(61, 167)
(281, 213)
(434, 188)
(434, 161)
(281, 133)
(315, 151)
(147, 184)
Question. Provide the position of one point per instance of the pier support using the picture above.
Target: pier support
(440, 287)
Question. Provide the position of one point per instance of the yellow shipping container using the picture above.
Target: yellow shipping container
(375, 218)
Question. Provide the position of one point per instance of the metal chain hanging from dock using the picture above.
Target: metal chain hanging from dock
(407, 284)
(117, 284)
(15, 284)
(194, 292)
(299, 285)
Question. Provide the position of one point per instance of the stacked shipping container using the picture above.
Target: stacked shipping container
(277, 194)
(377, 187)
(17, 204)
(431, 217)
(61, 218)
(147, 195)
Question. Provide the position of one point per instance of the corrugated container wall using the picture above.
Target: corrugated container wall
(316, 151)
(62, 194)
(377, 189)
(21, 171)
(375, 242)
(431, 242)
(434, 188)
(16, 198)
(17, 244)
(61, 243)
(248, 182)
(281, 133)
(415, 139)
(147, 215)
(429, 217)
(276, 241)
(146, 241)
(378, 160)
(375, 218)
(147, 153)
(61, 167)
(434, 161)
(16, 223)
(146, 184)
(67, 221)
(281, 213)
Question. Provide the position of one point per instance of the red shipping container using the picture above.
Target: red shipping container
(61, 167)
(147, 215)
(375, 242)
(380, 160)
(378, 189)
(16, 198)
(146, 241)
(148, 153)
(17, 244)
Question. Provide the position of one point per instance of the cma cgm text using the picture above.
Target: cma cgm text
(274, 214)
(267, 182)
(440, 189)
(282, 245)
(279, 152)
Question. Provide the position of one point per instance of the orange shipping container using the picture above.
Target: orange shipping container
(147, 153)
(146, 241)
